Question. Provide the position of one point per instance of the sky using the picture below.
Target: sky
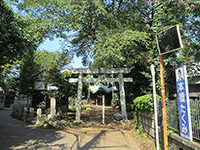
(54, 45)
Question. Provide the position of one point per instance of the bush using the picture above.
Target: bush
(84, 101)
(1, 96)
(145, 102)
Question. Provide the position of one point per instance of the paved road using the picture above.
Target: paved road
(16, 134)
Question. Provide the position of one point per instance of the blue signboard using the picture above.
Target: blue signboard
(183, 103)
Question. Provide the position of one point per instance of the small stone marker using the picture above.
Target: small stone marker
(53, 106)
(39, 114)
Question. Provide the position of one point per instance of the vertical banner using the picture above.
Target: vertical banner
(183, 103)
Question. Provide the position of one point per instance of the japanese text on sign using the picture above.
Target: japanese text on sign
(183, 103)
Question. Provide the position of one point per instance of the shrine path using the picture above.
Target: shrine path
(16, 134)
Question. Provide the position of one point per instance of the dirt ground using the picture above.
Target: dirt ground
(113, 135)
(93, 119)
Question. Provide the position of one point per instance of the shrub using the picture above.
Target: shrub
(145, 102)
(1, 96)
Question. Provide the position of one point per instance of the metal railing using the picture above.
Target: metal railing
(195, 118)
(173, 117)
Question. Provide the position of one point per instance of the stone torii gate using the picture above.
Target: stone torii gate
(120, 79)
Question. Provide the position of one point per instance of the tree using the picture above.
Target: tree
(12, 37)
(13, 44)
(48, 69)
(27, 70)
(121, 32)
(10, 76)
(93, 21)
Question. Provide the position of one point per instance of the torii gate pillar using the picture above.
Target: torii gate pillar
(122, 97)
(79, 97)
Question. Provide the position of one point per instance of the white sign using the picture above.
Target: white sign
(39, 85)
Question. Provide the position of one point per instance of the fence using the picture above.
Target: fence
(194, 109)
(173, 117)
(146, 119)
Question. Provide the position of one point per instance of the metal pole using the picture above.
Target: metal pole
(112, 92)
(103, 110)
(163, 104)
(89, 92)
(155, 106)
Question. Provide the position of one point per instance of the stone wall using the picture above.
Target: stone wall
(177, 143)
(22, 110)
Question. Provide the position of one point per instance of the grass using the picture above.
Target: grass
(86, 110)
(146, 143)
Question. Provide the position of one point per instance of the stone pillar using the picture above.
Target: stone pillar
(20, 110)
(122, 97)
(25, 113)
(79, 98)
(31, 113)
(39, 114)
(53, 106)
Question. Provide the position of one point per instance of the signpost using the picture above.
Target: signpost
(183, 103)
(168, 40)
(155, 106)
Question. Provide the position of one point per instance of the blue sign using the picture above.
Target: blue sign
(183, 103)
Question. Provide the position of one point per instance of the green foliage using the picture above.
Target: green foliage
(169, 131)
(84, 101)
(139, 133)
(27, 70)
(10, 75)
(1, 96)
(135, 119)
(145, 102)
(13, 43)
(86, 110)
(117, 33)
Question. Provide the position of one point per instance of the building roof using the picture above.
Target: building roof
(100, 87)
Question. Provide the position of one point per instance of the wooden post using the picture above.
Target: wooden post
(163, 104)
(103, 109)
(79, 98)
